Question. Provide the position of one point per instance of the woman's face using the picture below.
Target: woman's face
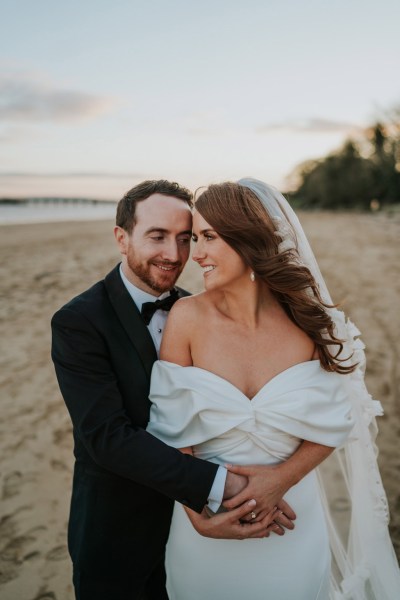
(222, 266)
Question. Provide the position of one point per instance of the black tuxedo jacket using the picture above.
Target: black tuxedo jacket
(125, 480)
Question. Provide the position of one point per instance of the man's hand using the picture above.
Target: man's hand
(230, 525)
(265, 483)
(234, 484)
(268, 484)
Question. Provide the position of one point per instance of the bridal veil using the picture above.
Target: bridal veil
(364, 565)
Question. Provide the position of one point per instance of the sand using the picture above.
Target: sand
(43, 266)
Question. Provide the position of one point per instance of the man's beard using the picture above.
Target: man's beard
(142, 271)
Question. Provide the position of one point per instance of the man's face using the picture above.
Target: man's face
(158, 247)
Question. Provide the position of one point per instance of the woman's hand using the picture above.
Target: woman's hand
(283, 517)
(231, 524)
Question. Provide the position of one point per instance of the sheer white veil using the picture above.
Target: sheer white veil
(364, 563)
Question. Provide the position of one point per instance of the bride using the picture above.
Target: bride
(249, 369)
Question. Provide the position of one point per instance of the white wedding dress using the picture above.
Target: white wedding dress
(194, 407)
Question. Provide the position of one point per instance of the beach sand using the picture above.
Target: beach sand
(42, 267)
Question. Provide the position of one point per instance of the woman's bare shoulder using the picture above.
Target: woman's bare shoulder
(182, 323)
(189, 307)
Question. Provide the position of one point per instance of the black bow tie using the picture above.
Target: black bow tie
(149, 308)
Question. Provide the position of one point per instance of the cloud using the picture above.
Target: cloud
(30, 98)
(311, 125)
(12, 134)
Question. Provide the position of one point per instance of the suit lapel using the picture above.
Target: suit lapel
(130, 319)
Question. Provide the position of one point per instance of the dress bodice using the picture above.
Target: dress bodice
(195, 407)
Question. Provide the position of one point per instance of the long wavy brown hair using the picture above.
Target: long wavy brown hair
(240, 219)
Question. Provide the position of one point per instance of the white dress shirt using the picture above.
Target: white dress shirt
(156, 328)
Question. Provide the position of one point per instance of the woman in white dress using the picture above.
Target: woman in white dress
(249, 369)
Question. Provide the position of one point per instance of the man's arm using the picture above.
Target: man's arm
(90, 389)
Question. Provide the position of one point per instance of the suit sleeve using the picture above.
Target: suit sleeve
(90, 390)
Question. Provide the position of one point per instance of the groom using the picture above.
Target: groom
(105, 342)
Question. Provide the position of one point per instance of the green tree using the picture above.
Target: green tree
(385, 160)
(348, 178)
(341, 180)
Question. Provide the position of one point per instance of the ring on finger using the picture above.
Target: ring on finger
(253, 514)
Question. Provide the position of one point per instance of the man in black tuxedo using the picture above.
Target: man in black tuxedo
(125, 480)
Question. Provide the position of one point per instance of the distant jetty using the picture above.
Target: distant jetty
(54, 200)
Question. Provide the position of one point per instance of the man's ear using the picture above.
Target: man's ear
(122, 238)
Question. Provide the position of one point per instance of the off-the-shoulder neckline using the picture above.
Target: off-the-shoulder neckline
(312, 362)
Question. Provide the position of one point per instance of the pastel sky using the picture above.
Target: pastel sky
(97, 95)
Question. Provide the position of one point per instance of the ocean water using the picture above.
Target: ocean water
(50, 212)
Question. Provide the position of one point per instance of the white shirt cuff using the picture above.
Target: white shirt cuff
(217, 490)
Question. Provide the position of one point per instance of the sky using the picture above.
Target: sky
(97, 95)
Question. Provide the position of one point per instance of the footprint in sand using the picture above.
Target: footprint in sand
(32, 555)
(62, 437)
(13, 482)
(58, 465)
(45, 596)
(17, 548)
(58, 553)
(14, 550)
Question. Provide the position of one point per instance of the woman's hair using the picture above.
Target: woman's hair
(240, 219)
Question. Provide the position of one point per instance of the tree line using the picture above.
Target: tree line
(363, 174)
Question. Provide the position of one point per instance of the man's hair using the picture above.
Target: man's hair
(126, 209)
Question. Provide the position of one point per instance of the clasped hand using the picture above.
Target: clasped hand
(267, 485)
(253, 497)
(231, 524)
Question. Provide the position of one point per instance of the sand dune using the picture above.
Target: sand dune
(44, 265)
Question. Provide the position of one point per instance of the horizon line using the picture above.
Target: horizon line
(71, 174)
